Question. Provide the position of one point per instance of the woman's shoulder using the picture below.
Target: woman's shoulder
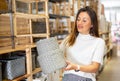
(100, 40)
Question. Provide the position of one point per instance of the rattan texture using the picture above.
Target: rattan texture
(13, 67)
(46, 45)
(51, 57)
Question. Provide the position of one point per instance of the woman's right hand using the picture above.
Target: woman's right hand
(70, 66)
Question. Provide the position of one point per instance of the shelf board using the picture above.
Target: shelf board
(27, 35)
(54, 1)
(103, 33)
(57, 16)
(6, 36)
(40, 35)
(17, 48)
(36, 70)
(106, 39)
(28, 1)
(21, 77)
(5, 11)
(28, 16)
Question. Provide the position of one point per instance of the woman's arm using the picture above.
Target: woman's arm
(92, 68)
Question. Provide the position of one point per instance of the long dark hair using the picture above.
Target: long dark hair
(93, 31)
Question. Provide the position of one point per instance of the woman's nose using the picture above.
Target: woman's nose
(79, 22)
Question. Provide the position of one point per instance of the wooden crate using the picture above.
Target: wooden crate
(4, 42)
(4, 26)
(22, 26)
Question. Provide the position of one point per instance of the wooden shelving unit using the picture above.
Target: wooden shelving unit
(6, 47)
(22, 28)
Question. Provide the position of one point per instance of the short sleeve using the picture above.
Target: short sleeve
(99, 51)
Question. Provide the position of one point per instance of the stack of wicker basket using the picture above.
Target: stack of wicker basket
(50, 56)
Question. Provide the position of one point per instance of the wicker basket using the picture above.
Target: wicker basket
(50, 56)
(13, 67)
(38, 27)
(46, 45)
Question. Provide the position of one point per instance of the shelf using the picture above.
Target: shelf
(36, 70)
(106, 39)
(17, 48)
(3, 12)
(54, 1)
(40, 35)
(57, 16)
(27, 16)
(6, 36)
(30, 16)
(103, 33)
(27, 35)
(28, 1)
(21, 77)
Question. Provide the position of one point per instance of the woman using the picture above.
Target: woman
(83, 48)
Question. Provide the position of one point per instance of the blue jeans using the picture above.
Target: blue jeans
(73, 77)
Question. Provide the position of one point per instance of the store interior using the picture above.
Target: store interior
(25, 22)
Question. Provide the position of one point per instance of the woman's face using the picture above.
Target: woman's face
(84, 23)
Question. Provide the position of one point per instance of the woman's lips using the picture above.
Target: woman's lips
(79, 27)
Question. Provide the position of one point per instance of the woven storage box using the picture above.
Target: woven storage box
(13, 67)
(46, 45)
(0, 72)
(50, 56)
(38, 27)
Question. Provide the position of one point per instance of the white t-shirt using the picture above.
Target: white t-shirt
(85, 50)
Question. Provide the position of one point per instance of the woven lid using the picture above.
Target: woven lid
(45, 45)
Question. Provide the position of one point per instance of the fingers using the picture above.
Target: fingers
(68, 62)
(68, 67)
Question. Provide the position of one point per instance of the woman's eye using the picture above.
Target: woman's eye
(84, 20)
(78, 19)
